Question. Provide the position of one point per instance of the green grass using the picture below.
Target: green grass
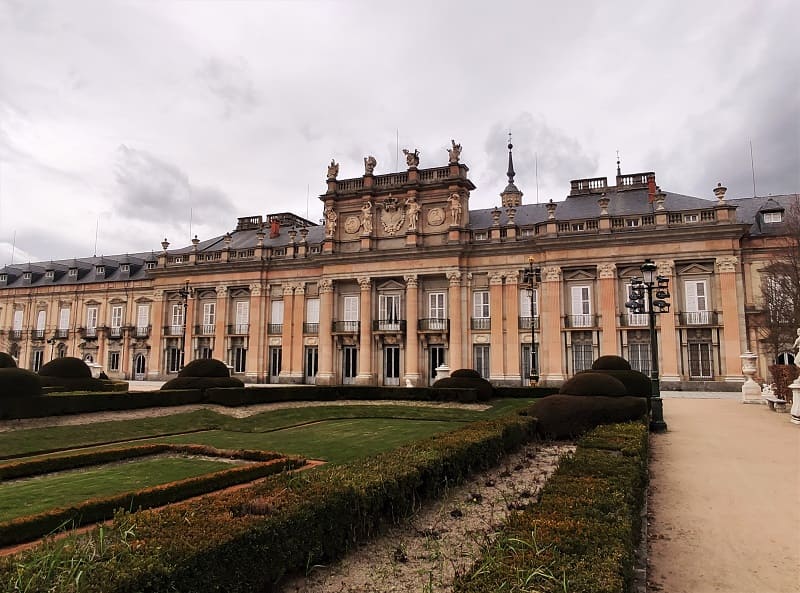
(28, 496)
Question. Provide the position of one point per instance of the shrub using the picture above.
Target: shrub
(483, 388)
(611, 362)
(782, 376)
(72, 383)
(66, 367)
(466, 374)
(7, 361)
(205, 367)
(201, 382)
(569, 416)
(594, 383)
(635, 383)
(16, 382)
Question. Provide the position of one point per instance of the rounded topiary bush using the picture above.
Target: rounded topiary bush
(66, 367)
(569, 416)
(16, 382)
(61, 384)
(466, 374)
(611, 362)
(201, 382)
(205, 367)
(635, 383)
(483, 388)
(7, 361)
(594, 383)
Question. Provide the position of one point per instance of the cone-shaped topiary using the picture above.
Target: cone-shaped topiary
(16, 382)
(594, 383)
(7, 361)
(66, 367)
(205, 367)
(483, 387)
(466, 374)
(636, 383)
(611, 362)
(569, 416)
(201, 382)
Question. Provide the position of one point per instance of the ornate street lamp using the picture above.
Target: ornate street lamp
(532, 276)
(184, 292)
(641, 301)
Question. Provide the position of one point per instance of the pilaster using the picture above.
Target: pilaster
(731, 340)
(220, 321)
(607, 293)
(496, 347)
(550, 320)
(412, 340)
(255, 359)
(296, 369)
(669, 335)
(454, 360)
(156, 362)
(365, 375)
(511, 341)
(285, 375)
(325, 375)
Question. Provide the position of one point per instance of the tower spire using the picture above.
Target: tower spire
(619, 171)
(510, 171)
(511, 196)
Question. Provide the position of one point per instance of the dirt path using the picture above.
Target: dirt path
(724, 503)
(444, 538)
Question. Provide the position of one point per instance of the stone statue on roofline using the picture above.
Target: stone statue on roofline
(412, 158)
(333, 170)
(330, 221)
(369, 164)
(454, 153)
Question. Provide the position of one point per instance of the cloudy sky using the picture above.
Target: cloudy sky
(123, 122)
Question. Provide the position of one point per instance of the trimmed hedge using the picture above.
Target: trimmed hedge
(466, 374)
(591, 383)
(56, 384)
(635, 382)
(482, 387)
(7, 361)
(205, 367)
(582, 534)
(66, 367)
(202, 383)
(611, 362)
(569, 416)
(289, 522)
(17, 384)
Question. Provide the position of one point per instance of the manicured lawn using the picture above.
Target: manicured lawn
(25, 497)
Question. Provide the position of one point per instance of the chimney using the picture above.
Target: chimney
(651, 188)
(274, 228)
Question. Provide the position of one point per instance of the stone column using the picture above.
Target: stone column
(365, 375)
(255, 359)
(412, 340)
(731, 341)
(550, 355)
(325, 375)
(221, 318)
(286, 334)
(457, 326)
(188, 351)
(496, 346)
(668, 338)
(296, 369)
(512, 343)
(607, 293)
(155, 365)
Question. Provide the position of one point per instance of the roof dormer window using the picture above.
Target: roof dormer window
(100, 270)
(27, 276)
(73, 273)
(49, 274)
(125, 268)
(772, 217)
(3, 277)
(151, 265)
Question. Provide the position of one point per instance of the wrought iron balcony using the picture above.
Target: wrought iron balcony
(115, 332)
(141, 331)
(204, 329)
(37, 334)
(706, 318)
(15, 334)
(481, 323)
(239, 329)
(434, 324)
(525, 322)
(174, 330)
(310, 328)
(89, 333)
(346, 327)
(275, 328)
(62, 334)
(578, 321)
(634, 320)
(389, 325)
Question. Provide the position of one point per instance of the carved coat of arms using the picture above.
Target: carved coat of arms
(393, 216)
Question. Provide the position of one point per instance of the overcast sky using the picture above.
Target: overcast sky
(146, 116)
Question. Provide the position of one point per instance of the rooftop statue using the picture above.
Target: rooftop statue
(369, 164)
(454, 153)
(333, 170)
(412, 158)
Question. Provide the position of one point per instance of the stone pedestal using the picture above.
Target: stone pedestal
(442, 372)
(751, 391)
(795, 413)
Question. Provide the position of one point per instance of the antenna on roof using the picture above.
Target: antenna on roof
(13, 246)
(308, 189)
(536, 170)
(191, 213)
(96, 232)
(397, 149)
(753, 168)
(619, 171)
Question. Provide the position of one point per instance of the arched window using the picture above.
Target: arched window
(784, 358)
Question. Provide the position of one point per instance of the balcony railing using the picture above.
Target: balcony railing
(481, 323)
(15, 334)
(204, 329)
(310, 328)
(634, 320)
(525, 322)
(698, 318)
(580, 321)
(62, 334)
(346, 327)
(115, 332)
(173, 330)
(274, 328)
(89, 333)
(141, 331)
(37, 334)
(434, 324)
(389, 325)
(239, 329)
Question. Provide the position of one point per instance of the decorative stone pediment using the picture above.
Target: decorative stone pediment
(579, 275)
(239, 293)
(696, 269)
(391, 285)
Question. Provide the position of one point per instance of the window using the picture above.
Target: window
(113, 361)
(480, 359)
(239, 355)
(178, 260)
(696, 302)
(350, 310)
(276, 317)
(527, 233)
(280, 251)
(349, 364)
(72, 273)
(242, 317)
(100, 270)
(91, 318)
(480, 303)
(142, 319)
(700, 360)
(151, 265)
(209, 318)
(437, 311)
(311, 364)
(125, 268)
(3, 277)
(577, 226)
(63, 318)
(639, 356)
(41, 319)
(635, 319)
(49, 274)
(525, 303)
(480, 235)
(631, 222)
(176, 319)
(581, 306)
(27, 276)
(174, 359)
(17, 326)
(772, 217)
(274, 363)
(116, 316)
(582, 354)
(389, 311)
(312, 311)
(36, 360)
(690, 218)
(526, 362)
(315, 249)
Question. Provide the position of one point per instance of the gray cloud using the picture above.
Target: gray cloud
(231, 82)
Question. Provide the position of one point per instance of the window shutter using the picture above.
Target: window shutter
(691, 296)
(312, 311)
(142, 316)
(242, 312)
(41, 319)
(63, 319)
(350, 308)
(276, 316)
(209, 313)
(18, 319)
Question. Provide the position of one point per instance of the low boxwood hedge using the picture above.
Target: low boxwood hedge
(581, 535)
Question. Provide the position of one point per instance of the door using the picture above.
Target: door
(437, 311)
(435, 359)
(275, 356)
(389, 312)
(391, 365)
(139, 367)
(209, 318)
(581, 306)
(350, 310)
(142, 320)
(312, 364)
(529, 360)
(349, 364)
(242, 317)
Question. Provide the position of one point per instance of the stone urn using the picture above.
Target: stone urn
(751, 391)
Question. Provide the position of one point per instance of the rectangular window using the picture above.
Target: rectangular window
(690, 218)
(526, 363)
(696, 302)
(635, 319)
(437, 310)
(242, 317)
(142, 319)
(772, 217)
(389, 312)
(151, 265)
(239, 356)
(72, 272)
(209, 318)
(480, 304)
(350, 305)
(17, 320)
(274, 363)
(525, 303)
(116, 316)
(312, 311)
(480, 235)
(36, 360)
(578, 226)
(391, 365)
(63, 318)
(276, 313)
(91, 318)
(312, 364)
(349, 364)
(176, 320)
(41, 320)
(480, 359)
(639, 356)
(174, 359)
(113, 361)
(582, 354)
(631, 222)
(581, 306)
(700, 360)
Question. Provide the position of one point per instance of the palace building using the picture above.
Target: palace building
(402, 276)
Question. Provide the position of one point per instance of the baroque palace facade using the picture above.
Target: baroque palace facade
(402, 276)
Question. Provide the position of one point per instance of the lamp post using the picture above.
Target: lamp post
(532, 276)
(184, 292)
(641, 301)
